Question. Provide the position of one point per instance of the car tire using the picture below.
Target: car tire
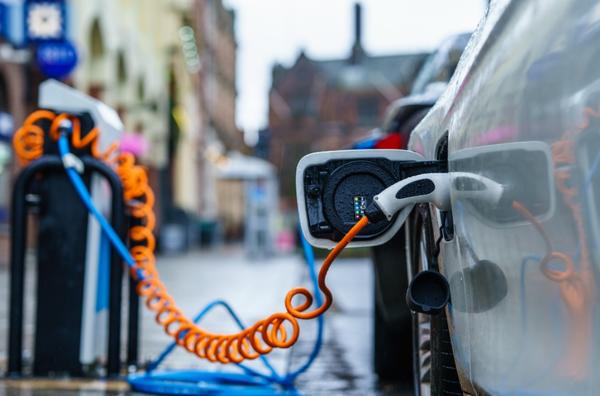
(444, 377)
(435, 368)
(392, 318)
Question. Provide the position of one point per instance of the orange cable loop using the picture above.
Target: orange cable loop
(279, 330)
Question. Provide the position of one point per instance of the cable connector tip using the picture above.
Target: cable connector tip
(374, 213)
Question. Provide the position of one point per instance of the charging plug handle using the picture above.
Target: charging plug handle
(433, 188)
(429, 187)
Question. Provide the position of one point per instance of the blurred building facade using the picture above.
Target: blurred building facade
(218, 45)
(167, 66)
(216, 39)
(329, 104)
(16, 101)
(169, 69)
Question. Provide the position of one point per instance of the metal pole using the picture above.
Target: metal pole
(133, 325)
(18, 235)
(116, 268)
(133, 328)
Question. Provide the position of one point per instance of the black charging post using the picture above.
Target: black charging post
(61, 244)
(60, 268)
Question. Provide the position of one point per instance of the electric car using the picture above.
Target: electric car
(523, 108)
(499, 195)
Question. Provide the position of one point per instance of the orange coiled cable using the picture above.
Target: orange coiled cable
(280, 330)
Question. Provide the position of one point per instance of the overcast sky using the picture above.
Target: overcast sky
(269, 31)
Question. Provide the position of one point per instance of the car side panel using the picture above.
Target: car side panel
(524, 109)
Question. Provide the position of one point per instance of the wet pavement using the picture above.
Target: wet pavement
(255, 289)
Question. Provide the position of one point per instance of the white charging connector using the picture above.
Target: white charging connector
(70, 160)
(432, 188)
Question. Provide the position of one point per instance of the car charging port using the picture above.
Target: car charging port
(336, 192)
(345, 190)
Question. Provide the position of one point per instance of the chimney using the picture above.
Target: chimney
(357, 49)
(357, 25)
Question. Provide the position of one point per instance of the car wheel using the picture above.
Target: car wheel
(434, 367)
(392, 319)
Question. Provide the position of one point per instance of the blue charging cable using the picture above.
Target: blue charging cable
(198, 382)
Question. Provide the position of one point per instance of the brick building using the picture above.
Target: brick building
(329, 104)
(218, 46)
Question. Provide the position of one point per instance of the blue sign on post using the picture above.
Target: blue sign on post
(46, 26)
(45, 20)
(56, 59)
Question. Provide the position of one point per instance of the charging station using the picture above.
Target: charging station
(334, 188)
(77, 329)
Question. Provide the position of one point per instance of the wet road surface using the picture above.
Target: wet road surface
(255, 289)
